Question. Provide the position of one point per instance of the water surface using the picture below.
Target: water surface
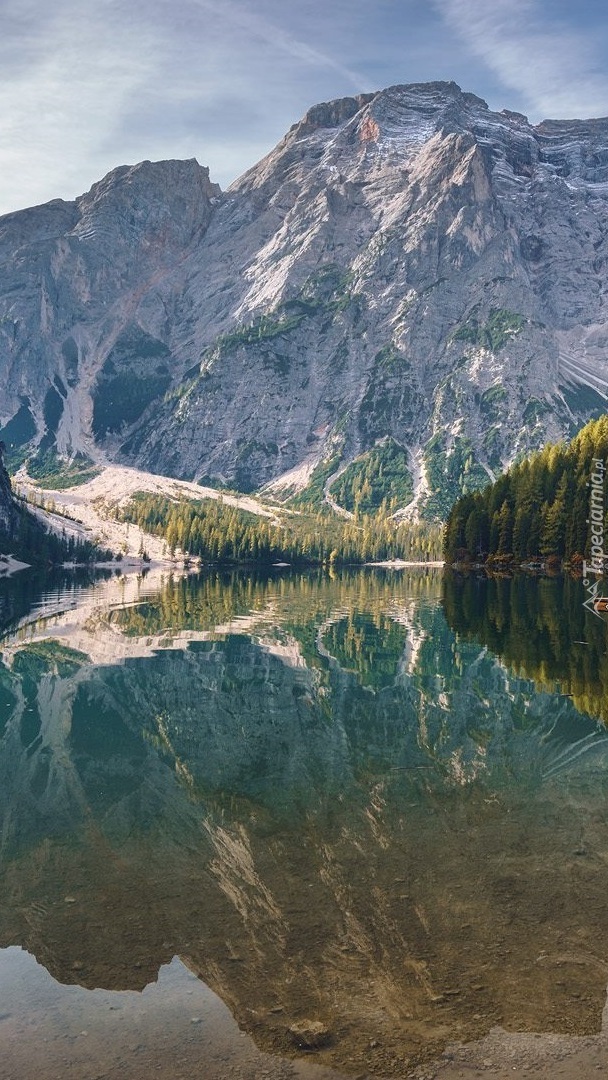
(376, 801)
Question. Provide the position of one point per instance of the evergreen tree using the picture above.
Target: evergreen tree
(545, 505)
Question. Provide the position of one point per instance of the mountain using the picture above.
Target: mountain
(405, 269)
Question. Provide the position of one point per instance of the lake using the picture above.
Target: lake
(289, 825)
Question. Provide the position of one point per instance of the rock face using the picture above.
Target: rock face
(405, 264)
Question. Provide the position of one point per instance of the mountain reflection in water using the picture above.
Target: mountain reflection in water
(329, 802)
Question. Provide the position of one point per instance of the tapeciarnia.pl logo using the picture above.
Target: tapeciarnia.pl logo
(596, 604)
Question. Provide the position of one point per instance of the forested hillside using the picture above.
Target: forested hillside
(30, 541)
(25, 537)
(222, 533)
(550, 504)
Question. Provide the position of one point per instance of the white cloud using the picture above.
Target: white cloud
(554, 67)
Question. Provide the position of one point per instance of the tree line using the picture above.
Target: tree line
(217, 532)
(551, 505)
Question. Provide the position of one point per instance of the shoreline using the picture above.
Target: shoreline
(194, 564)
(402, 564)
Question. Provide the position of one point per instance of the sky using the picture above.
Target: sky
(86, 85)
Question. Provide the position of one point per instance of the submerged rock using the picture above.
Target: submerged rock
(310, 1034)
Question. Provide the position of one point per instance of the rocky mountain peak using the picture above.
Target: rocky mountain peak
(353, 138)
(330, 114)
(172, 197)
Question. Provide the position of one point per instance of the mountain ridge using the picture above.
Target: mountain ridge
(406, 265)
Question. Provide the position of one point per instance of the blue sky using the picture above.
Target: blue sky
(86, 86)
